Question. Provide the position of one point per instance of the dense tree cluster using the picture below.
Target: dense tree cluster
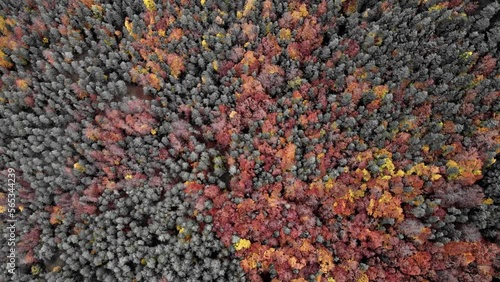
(178, 140)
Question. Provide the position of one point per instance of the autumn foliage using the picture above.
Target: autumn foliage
(328, 142)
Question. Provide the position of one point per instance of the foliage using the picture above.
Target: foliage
(262, 140)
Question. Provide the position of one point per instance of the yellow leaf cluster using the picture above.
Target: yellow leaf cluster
(205, 44)
(386, 206)
(366, 174)
(79, 167)
(154, 81)
(438, 7)
(423, 169)
(363, 278)
(242, 244)
(301, 12)
(464, 168)
(4, 60)
(3, 28)
(381, 91)
(180, 229)
(129, 26)
(35, 269)
(150, 5)
(388, 168)
(6, 41)
(330, 183)
(249, 6)
(488, 201)
(285, 34)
